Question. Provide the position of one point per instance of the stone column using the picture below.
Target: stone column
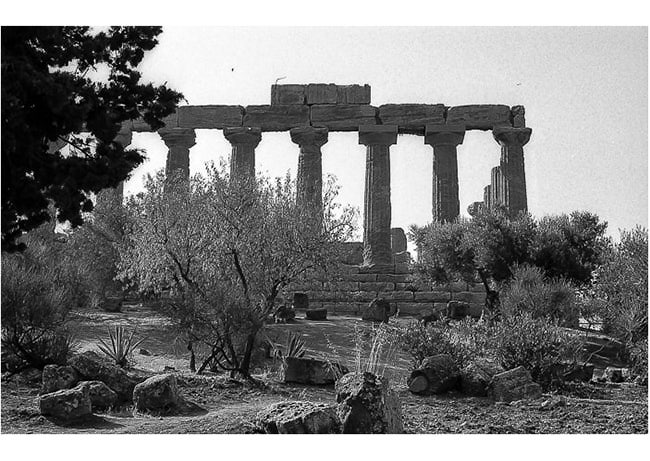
(376, 206)
(309, 183)
(112, 197)
(178, 141)
(496, 187)
(444, 139)
(487, 197)
(512, 141)
(244, 140)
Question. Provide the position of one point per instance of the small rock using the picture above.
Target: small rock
(57, 377)
(144, 352)
(158, 393)
(67, 404)
(552, 403)
(299, 418)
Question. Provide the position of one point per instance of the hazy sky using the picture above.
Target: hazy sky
(585, 90)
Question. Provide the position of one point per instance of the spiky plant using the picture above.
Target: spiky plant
(295, 347)
(121, 345)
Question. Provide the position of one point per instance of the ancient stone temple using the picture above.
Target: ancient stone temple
(310, 112)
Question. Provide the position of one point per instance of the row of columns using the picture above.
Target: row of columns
(508, 186)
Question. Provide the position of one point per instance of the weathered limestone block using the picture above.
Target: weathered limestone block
(57, 377)
(303, 370)
(171, 121)
(458, 309)
(300, 301)
(368, 405)
(287, 94)
(479, 117)
(345, 268)
(518, 114)
(477, 375)
(376, 286)
(316, 314)
(92, 367)
(276, 117)
(398, 296)
(432, 296)
(352, 253)
(343, 117)
(471, 297)
(353, 94)
(218, 117)
(437, 374)
(378, 310)
(395, 278)
(299, 418)
(158, 393)
(67, 404)
(613, 375)
(321, 93)
(515, 384)
(397, 240)
(362, 277)
(101, 396)
(411, 118)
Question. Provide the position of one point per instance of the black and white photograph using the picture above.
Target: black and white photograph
(324, 223)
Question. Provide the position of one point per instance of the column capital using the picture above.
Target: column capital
(243, 135)
(178, 137)
(309, 135)
(509, 136)
(372, 135)
(444, 135)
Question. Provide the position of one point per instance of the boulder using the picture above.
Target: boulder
(156, 394)
(515, 384)
(299, 418)
(316, 314)
(57, 377)
(377, 311)
(92, 367)
(437, 374)
(476, 376)
(368, 405)
(300, 301)
(303, 370)
(101, 396)
(67, 404)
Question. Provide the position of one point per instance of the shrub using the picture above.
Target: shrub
(639, 358)
(373, 347)
(34, 310)
(120, 347)
(530, 291)
(537, 344)
(462, 340)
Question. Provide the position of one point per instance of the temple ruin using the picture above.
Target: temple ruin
(310, 112)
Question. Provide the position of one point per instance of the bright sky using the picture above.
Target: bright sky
(585, 90)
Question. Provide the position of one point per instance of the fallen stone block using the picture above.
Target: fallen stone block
(300, 301)
(91, 367)
(101, 396)
(515, 384)
(299, 418)
(377, 311)
(156, 394)
(57, 377)
(316, 314)
(67, 404)
(368, 405)
(475, 377)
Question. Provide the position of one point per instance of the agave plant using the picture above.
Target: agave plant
(295, 347)
(121, 346)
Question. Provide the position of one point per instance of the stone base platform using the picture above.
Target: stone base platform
(357, 287)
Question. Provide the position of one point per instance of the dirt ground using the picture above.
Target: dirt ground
(217, 404)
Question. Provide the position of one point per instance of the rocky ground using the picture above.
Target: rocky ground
(217, 404)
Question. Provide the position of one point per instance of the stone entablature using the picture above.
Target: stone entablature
(309, 112)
